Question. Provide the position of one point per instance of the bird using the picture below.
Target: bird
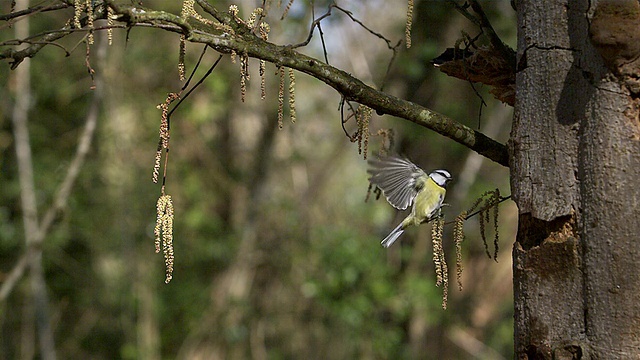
(404, 184)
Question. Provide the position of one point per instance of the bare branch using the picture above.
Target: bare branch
(32, 10)
(45, 38)
(15, 274)
(378, 35)
(355, 90)
(233, 35)
(352, 88)
(314, 24)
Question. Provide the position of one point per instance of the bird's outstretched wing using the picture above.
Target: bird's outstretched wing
(399, 179)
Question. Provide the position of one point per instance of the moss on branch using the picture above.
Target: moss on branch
(240, 39)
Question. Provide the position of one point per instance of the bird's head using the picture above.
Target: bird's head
(441, 177)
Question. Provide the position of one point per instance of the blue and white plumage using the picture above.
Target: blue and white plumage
(404, 184)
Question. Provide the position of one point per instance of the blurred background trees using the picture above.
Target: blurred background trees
(277, 254)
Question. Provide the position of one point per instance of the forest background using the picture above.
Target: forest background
(277, 253)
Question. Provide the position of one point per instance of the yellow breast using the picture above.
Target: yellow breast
(428, 201)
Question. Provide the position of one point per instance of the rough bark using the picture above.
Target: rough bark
(609, 169)
(575, 160)
(609, 172)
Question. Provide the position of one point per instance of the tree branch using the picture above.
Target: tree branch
(232, 35)
(243, 41)
(43, 39)
(32, 10)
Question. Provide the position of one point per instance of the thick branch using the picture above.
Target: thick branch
(244, 42)
(354, 89)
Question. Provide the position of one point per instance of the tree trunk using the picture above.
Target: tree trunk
(575, 160)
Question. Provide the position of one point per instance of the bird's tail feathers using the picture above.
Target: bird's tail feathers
(393, 236)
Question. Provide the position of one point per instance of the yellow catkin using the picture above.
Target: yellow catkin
(436, 242)
(254, 17)
(163, 142)
(89, 9)
(264, 31)
(280, 97)
(458, 237)
(360, 125)
(292, 95)
(164, 122)
(164, 229)
(244, 76)
(78, 6)
(187, 8)
(483, 235)
(233, 10)
(495, 201)
(110, 23)
(157, 231)
(223, 27)
(363, 116)
(409, 24)
(263, 80)
(368, 113)
(156, 163)
(167, 239)
(264, 35)
(442, 274)
(245, 56)
(183, 48)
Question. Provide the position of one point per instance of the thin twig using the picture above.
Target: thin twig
(389, 65)
(324, 45)
(194, 86)
(350, 15)
(32, 10)
(186, 84)
(14, 275)
(314, 24)
(502, 199)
